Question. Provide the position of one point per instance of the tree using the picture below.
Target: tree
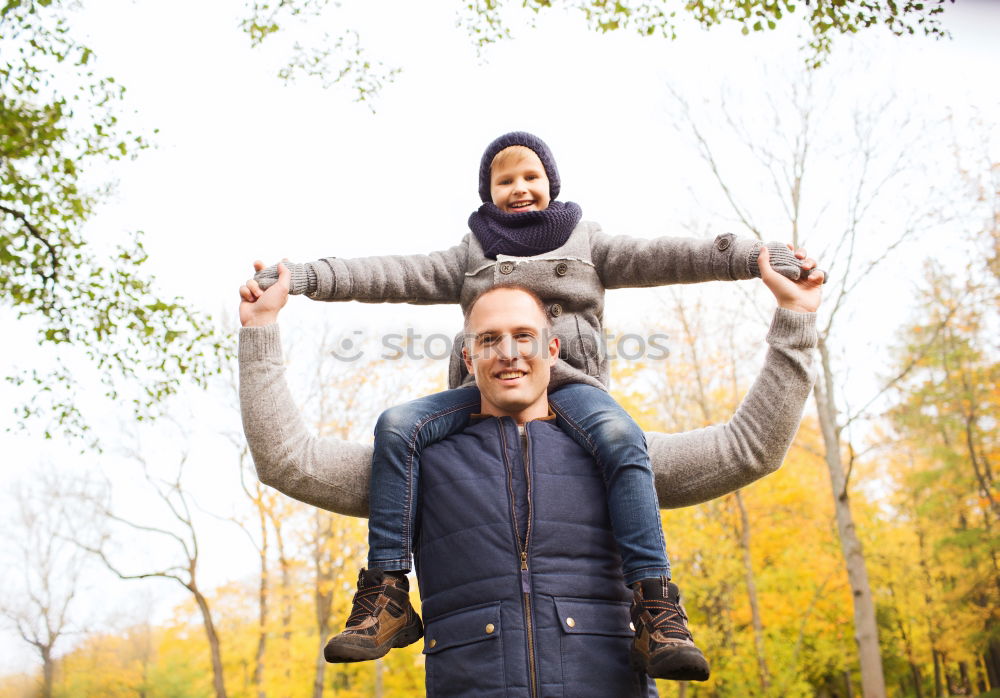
(178, 504)
(945, 417)
(40, 604)
(786, 148)
(346, 399)
(765, 601)
(59, 124)
(341, 57)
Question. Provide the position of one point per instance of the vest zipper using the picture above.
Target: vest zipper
(525, 576)
(523, 549)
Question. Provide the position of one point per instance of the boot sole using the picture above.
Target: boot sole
(682, 665)
(337, 654)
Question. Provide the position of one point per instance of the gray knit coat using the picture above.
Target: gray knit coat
(570, 280)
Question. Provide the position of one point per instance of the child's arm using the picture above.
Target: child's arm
(626, 262)
(420, 278)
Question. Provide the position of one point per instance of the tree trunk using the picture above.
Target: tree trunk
(938, 683)
(982, 678)
(992, 661)
(323, 594)
(865, 624)
(258, 671)
(319, 675)
(213, 641)
(848, 686)
(379, 687)
(918, 688)
(963, 673)
(48, 671)
(758, 625)
(284, 567)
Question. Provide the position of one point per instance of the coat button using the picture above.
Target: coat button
(561, 269)
(724, 242)
(490, 628)
(506, 267)
(556, 310)
(432, 644)
(570, 622)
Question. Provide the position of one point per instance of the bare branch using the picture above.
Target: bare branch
(166, 573)
(709, 157)
(36, 233)
(150, 529)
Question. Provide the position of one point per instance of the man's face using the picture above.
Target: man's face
(510, 350)
(520, 185)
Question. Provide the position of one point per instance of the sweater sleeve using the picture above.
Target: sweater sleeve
(328, 473)
(436, 277)
(699, 465)
(626, 262)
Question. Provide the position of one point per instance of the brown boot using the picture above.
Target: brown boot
(381, 618)
(663, 646)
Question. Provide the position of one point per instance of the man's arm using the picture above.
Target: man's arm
(436, 277)
(699, 465)
(328, 473)
(626, 262)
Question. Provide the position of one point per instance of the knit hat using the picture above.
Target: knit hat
(534, 143)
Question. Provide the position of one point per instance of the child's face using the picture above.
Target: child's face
(520, 184)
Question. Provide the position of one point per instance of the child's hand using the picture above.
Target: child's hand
(802, 296)
(259, 307)
(783, 259)
(302, 280)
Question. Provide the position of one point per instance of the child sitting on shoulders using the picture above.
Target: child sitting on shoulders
(521, 235)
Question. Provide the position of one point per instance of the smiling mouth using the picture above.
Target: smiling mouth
(511, 375)
(521, 205)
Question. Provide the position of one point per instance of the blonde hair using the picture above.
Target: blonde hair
(510, 155)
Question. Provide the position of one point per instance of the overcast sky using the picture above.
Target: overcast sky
(248, 167)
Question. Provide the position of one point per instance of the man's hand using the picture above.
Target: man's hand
(802, 296)
(259, 307)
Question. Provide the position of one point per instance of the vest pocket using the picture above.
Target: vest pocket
(594, 646)
(464, 653)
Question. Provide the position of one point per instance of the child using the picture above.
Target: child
(522, 235)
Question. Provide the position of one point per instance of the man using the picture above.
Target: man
(519, 575)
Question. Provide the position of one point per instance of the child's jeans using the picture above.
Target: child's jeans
(588, 414)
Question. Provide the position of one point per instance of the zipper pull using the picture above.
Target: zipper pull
(525, 581)
(524, 560)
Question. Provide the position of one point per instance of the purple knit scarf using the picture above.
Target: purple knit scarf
(524, 234)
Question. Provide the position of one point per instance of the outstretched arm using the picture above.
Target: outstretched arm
(420, 278)
(626, 262)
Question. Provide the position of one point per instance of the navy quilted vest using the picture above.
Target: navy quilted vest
(520, 578)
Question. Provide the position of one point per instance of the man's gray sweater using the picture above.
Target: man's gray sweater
(690, 467)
